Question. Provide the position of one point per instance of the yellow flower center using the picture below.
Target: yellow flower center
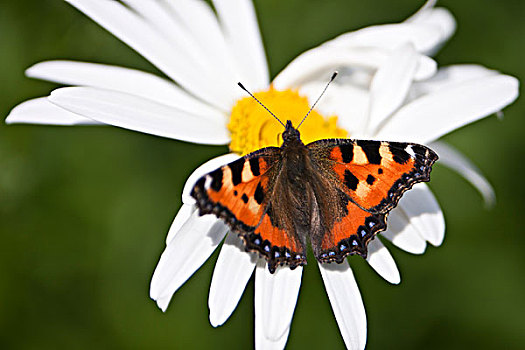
(252, 127)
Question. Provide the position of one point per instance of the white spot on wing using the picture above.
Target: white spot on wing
(363, 189)
(207, 182)
(247, 174)
(359, 156)
(384, 152)
(410, 151)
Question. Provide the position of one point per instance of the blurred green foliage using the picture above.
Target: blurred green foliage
(84, 210)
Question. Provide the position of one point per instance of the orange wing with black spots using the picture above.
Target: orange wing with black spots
(240, 194)
(350, 234)
(374, 174)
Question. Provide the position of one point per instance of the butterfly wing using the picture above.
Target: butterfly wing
(372, 176)
(240, 193)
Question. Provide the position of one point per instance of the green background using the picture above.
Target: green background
(84, 210)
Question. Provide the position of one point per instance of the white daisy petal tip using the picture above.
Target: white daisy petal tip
(453, 159)
(403, 234)
(440, 18)
(448, 109)
(41, 111)
(489, 201)
(193, 244)
(275, 298)
(163, 302)
(424, 213)
(232, 272)
(263, 343)
(346, 303)
(182, 216)
(382, 262)
(427, 7)
(427, 68)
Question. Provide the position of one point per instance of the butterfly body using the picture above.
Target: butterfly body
(333, 193)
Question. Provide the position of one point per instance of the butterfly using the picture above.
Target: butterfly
(333, 193)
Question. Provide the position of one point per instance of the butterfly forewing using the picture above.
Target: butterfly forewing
(241, 193)
(373, 173)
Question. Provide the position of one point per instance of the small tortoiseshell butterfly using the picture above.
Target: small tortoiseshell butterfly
(335, 193)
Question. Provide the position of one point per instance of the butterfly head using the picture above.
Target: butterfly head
(290, 133)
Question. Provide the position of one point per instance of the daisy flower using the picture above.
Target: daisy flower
(388, 89)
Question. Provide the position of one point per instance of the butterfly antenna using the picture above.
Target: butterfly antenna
(322, 93)
(255, 98)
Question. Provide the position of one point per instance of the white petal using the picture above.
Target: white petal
(185, 253)
(390, 84)
(389, 36)
(355, 77)
(183, 215)
(320, 62)
(139, 35)
(202, 170)
(41, 111)
(440, 18)
(160, 19)
(426, 68)
(382, 262)
(121, 79)
(201, 23)
(449, 76)
(348, 102)
(163, 302)
(324, 60)
(423, 12)
(275, 298)
(346, 302)
(232, 272)
(263, 343)
(453, 159)
(177, 33)
(140, 114)
(436, 114)
(239, 24)
(423, 211)
(403, 234)
(266, 344)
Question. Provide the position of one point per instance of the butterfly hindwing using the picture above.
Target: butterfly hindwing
(277, 245)
(351, 233)
(240, 193)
